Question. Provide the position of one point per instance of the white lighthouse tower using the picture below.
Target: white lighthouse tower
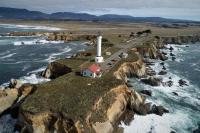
(99, 58)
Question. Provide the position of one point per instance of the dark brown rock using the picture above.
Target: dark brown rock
(159, 110)
(175, 93)
(162, 73)
(182, 83)
(152, 81)
(171, 54)
(146, 92)
(171, 48)
(55, 69)
(162, 57)
(168, 83)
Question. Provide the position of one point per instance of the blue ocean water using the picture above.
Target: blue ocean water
(19, 56)
(23, 57)
(19, 59)
(184, 115)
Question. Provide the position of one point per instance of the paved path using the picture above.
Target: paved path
(114, 59)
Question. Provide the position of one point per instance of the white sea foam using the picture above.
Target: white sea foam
(7, 124)
(28, 27)
(25, 67)
(7, 56)
(180, 118)
(175, 121)
(33, 79)
(36, 42)
(37, 71)
(53, 56)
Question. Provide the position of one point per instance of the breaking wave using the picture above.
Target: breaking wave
(184, 109)
(28, 27)
(35, 42)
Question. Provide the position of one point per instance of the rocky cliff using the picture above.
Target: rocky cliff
(74, 104)
(103, 117)
(55, 69)
(130, 69)
(151, 49)
(11, 98)
(181, 39)
(69, 37)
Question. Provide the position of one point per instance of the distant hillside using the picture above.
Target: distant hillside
(14, 13)
(70, 15)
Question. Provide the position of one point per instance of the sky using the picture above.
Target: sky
(180, 9)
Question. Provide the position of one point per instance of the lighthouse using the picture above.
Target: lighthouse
(99, 58)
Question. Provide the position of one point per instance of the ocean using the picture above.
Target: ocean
(184, 109)
(24, 60)
(22, 57)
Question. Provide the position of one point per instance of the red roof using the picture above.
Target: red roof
(94, 68)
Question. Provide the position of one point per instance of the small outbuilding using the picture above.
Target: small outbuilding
(94, 71)
(123, 55)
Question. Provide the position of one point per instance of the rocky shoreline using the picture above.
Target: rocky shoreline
(122, 97)
(69, 36)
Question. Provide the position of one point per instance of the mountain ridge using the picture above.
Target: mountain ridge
(16, 13)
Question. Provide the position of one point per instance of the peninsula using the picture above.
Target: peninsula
(73, 103)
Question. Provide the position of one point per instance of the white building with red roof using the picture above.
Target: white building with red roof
(93, 71)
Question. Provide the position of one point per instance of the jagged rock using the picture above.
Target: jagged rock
(152, 81)
(168, 83)
(23, 33)
(148, 108)
(171, 54)
(173, 58)
(55, 69)
(159, 110)
(103, 117)
(164, 53)
(175, 93)
(150, 63)
(26, 89)
(46, 123)
(146, 92)
(129, 85)
(171, 48)
(14, 83)
(164, 68)
(83, 54)
(150, 72)
(182, 83)
(162, 73)
(162, 63)
(131, 69)
(7, 98)
(162, 57)
(144, 109)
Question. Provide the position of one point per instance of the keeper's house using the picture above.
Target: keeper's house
(93, 71)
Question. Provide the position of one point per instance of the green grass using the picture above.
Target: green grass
(72, 94)
(112, 50)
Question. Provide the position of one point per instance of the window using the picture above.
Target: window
(84, 73)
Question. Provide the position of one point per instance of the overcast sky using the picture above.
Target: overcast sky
(183, 9)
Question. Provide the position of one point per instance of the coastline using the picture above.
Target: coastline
(150, 101)
(181, 118)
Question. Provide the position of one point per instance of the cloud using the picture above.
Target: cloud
(51, 5)
(164, 8)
